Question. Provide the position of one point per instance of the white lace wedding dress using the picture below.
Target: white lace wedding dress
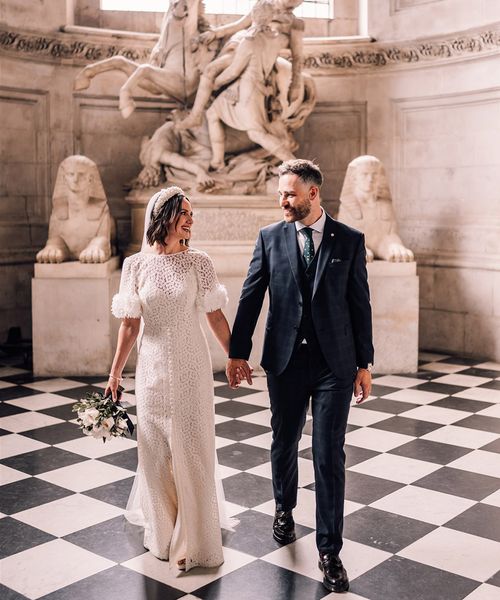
(174, 494)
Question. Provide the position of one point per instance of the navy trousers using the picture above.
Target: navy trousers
(307, 377)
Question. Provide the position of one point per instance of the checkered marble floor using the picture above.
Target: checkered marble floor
(422, 508)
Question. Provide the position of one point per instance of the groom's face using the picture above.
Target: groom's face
(295, 197)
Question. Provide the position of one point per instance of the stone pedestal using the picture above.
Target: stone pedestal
(395, 305)
(74, 332)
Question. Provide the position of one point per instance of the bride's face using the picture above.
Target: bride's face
(181, 227)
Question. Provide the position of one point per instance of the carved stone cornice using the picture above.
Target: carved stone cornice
(77, 48)
(375, 55)
(339, 56)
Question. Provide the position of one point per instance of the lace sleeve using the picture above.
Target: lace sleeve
(127, 304)
(211, 294)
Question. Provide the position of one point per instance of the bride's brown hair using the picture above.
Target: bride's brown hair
(160, 219)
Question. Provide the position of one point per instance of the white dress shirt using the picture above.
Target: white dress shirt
(317, 235)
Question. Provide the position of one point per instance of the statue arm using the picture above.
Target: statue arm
(232, 28)
(238, 65)
(55, 249)
(98, 250)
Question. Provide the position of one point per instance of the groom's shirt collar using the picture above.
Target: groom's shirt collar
(318, 226)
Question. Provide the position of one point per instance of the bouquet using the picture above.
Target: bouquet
(99, 416)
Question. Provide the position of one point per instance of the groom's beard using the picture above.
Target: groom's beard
(297, 212)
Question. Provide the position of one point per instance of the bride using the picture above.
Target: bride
(168, 284)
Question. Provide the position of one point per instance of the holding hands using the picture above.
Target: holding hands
(238, 369)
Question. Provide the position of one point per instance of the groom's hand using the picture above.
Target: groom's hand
(362, 385)
(238, 369)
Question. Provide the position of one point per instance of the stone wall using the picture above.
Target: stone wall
(433, 117)
(413, 19)
(428, 107)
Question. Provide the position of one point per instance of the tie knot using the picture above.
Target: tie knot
(308, 232)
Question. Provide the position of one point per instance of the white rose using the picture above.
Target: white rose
(90, 416)
(122, 424)
(98, 432)
(108, 423)
(87, 431)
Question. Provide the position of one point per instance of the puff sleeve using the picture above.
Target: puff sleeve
(211, 294)
(127, 304)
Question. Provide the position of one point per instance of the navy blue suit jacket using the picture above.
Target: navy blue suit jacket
(340, 306)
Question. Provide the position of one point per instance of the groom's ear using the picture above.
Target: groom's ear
(313, 192)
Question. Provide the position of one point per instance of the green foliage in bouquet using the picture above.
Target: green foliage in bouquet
(100, 417)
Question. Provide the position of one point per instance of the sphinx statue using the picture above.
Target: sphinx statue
(80, 226)
(366, 204)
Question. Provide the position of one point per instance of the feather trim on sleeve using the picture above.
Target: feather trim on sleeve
(214, 299)
(126, 306)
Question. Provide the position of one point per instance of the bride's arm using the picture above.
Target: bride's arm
(127, 335)
(220, 328)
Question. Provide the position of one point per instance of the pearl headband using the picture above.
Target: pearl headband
(164, 196)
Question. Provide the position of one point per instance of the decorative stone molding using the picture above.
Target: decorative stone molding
(345, 55)
(61, 46)
(370, 56)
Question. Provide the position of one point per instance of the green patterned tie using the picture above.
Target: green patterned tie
(308, 253)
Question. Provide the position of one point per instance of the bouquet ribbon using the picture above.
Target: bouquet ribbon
(130, 425)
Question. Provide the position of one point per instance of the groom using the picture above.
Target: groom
(318, 345)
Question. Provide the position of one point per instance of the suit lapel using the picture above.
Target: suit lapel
(325, 250)
(291, 247)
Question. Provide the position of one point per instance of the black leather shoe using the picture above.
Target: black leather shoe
(335, 576)
(284, 527)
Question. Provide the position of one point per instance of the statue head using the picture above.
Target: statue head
(367, 172)
(262, 13)
(365, 180)
(78, 176)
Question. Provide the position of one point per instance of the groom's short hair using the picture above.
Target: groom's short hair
(306, 170)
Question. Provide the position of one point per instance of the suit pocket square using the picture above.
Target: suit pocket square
(335, 260)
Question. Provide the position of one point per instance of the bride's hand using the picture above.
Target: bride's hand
(112, 388)
(238, 369)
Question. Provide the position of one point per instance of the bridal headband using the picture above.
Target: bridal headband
(163, 196)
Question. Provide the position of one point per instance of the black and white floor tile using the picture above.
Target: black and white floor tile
(422, 504)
